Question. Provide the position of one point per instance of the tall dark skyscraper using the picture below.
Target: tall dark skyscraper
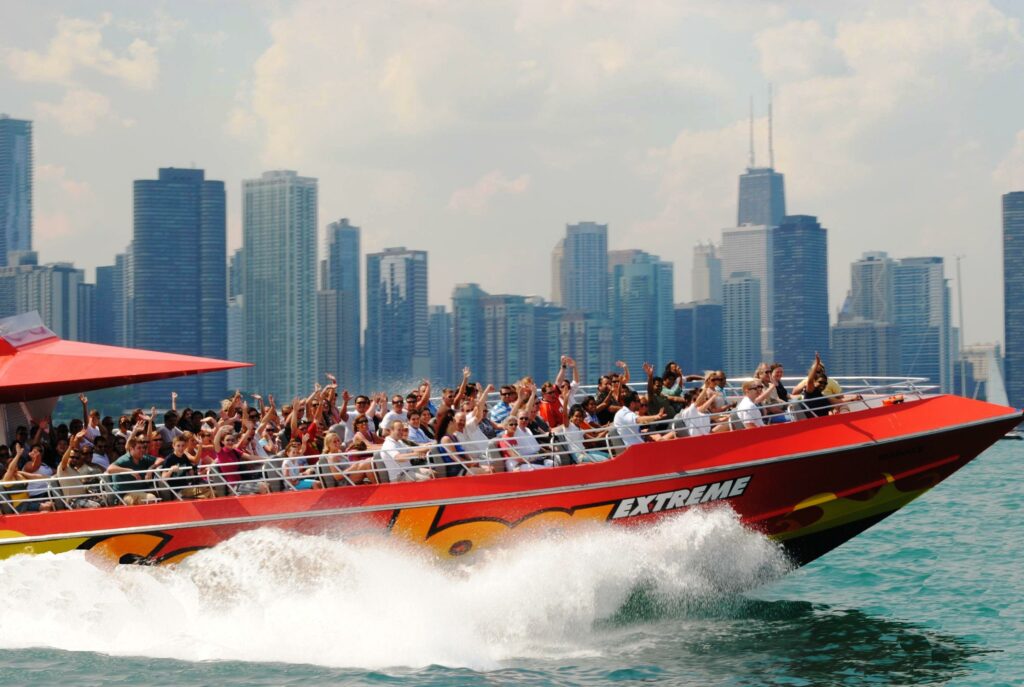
(15, 186)
(699, 342)
(762, 197)
(584, 286)
(340, 291)
(397, 337)
(104, 307)
(800, 288)
(181, 208)
(1013, 295)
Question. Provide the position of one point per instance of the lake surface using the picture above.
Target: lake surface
(934, 595)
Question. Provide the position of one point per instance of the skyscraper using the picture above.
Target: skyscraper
(587, 338)
(508, 338)
(103, 309)
(557, 256)
(800, 290)
(864, 348)
(871, 288)
(762, 197)
(640, 303)
(546, 354)
(181, 208)
(741, 331)
(468, 328)
(699, 343)
(585, 267)
(397, 339)
(279, 237)
(440, 326)
(341, 329)
(707, 273)
(748, 249)
(1013, 295)
(15, 186)
(921, 302)
(52, 289)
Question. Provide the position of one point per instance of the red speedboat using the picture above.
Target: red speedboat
(811, 485)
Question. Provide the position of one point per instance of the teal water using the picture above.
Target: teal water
(934, 595)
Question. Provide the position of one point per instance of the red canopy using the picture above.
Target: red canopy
(34, 364)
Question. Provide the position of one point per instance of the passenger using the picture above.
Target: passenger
(426, 425)
(396, 457)
(416, 431)
(526, 445)
(133, 474)
(180, 470)
(628, 422)
(397, 412)
(101, 453)
(361, 469)
(772, 409)
(168, 432)
(777, 373)
(468, 440)
(450, 400)
(333, 461)
(695, 414)
(297, 469)
(241, 470)
(35, 473)
(748, 410)
(576, 438)
(656, 400)
(507, 396)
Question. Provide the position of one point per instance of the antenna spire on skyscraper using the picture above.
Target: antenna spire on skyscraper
(771, 148)
(751, 132)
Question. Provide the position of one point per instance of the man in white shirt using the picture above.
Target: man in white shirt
(396, 456)
(526, 444)
(628, 422)
(397, 412)
(748, 411)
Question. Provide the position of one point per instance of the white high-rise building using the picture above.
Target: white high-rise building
(707, 274)
(748, 249)
(279, 238)
(741, 331)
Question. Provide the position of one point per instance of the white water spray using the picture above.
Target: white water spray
(270, 595)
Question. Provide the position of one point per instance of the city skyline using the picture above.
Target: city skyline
(888, 162)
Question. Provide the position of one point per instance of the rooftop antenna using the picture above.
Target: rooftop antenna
(751, 132)
(771, 148)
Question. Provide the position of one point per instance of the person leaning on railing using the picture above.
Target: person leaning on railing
(133, 474)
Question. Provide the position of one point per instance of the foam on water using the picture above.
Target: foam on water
(270, 595)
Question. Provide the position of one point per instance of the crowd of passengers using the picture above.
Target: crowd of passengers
(331, 439)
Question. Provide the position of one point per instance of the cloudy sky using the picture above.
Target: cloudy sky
(478, 130)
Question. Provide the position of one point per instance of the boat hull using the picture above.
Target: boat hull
(810, 485)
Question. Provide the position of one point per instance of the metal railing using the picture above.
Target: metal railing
(440, 460)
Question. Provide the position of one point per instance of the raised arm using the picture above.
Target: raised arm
(11, 474)
(423, 398)
(461, 392)
(481, 405)
(174, 401)
(85, 409)
(217, 437)
(560, 377)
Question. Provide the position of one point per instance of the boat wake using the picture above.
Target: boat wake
(270, 595)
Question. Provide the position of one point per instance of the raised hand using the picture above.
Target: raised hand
(465, 373)
(619, 363)
(649, 369)
(332, 379)
(84, 399)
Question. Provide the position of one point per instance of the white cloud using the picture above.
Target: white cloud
(475, 198)
(1009, 173)
(797, 50)
(79, 112)
(79, 44)
(63, 204)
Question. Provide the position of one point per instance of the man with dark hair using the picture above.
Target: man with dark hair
(133, 473)
(168, 432)
(628, 422)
